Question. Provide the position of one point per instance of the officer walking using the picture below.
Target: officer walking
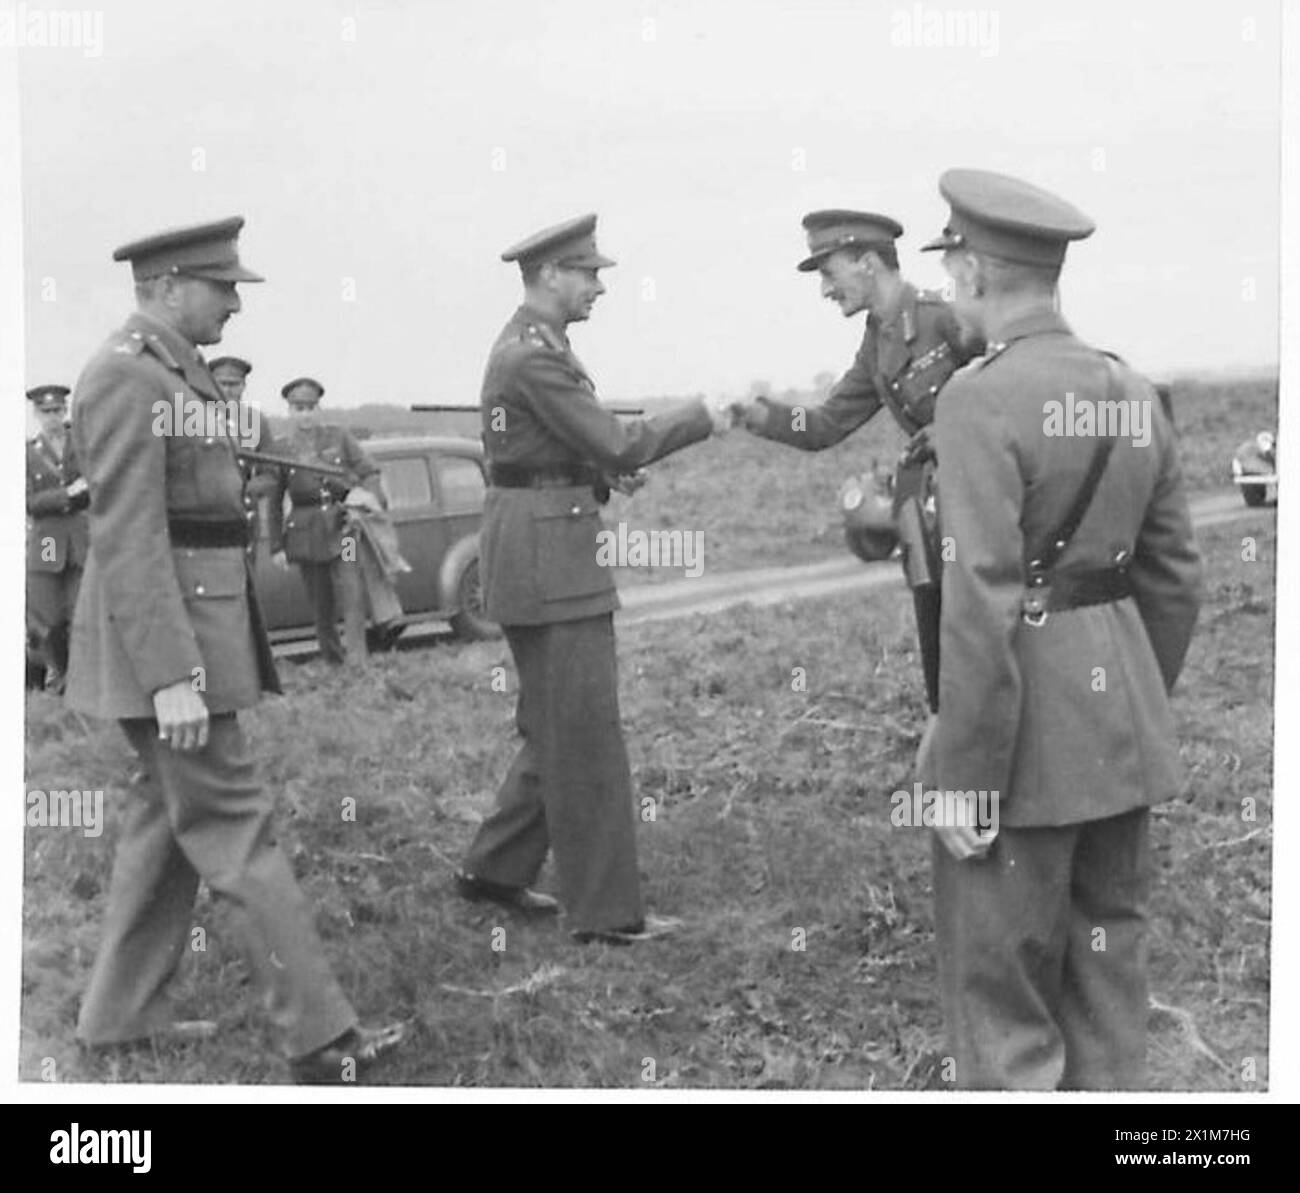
(168, 641)
(57, 497)
(550, 448)
(317, 535)
(910, 347)
(1068, 606)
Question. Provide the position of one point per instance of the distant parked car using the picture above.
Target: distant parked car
(435, 487)
(866, 504)
(1254, 468)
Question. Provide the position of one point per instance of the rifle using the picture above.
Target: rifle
(247, 456)
(448, 408)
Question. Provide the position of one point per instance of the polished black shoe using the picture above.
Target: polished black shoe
(350, 1059)
(516, 898)
(653, 927)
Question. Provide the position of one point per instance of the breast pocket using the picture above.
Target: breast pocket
(203, 477)
(211, 575)
(918, 386)
(565, 529)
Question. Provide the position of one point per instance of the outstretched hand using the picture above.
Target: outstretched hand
(627, 483)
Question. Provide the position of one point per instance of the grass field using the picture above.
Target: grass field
(770, 818)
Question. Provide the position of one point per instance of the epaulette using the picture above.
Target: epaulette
(931, 296)
(130, 346)
(975, 364)
(161, 351)
(543, 336)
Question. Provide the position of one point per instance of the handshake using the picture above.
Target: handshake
(728, 413)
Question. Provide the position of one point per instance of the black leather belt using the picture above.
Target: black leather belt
(191, 532)
(1099, 586)
(515, 476)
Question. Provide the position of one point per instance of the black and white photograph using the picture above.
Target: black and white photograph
(676, 550)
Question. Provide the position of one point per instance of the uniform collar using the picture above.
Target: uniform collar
(902, 321)
(1043, 320)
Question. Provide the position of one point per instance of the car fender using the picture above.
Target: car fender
(463, 552)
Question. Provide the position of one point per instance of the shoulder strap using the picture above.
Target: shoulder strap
(1060, 538)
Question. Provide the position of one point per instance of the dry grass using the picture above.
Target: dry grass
(771, 817)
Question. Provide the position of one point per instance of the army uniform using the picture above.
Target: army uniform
(56, 540)
(260, 481)
(902, 364)
(1031, 1000)
(547, 442)
(313, 533)
(167, 598)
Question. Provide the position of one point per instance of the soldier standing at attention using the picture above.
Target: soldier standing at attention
(910, 347)
(168, 640)
(57, 497)
(549, 443)
(315, 534)
(231, 375)
(1068, 606)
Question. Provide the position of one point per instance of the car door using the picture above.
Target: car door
(415, 507)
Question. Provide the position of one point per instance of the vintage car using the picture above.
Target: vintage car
(866, 504)
(435, 487)
(1254, 468)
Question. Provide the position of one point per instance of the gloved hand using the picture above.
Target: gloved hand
(919, 449)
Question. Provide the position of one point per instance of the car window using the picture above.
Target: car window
(406, 481)
(461, 481)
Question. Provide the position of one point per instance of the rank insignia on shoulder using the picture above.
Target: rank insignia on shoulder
(131, 345)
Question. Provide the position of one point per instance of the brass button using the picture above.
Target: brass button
(577, 509)
(198, 590)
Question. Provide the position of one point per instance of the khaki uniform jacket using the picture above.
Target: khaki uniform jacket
(149, 615)
(1068, 721)
(901, 364)
(56, 524)
(538, 546)
(313, 530)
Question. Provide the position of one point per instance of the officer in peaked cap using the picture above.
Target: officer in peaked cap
(314, 534)
(911, 345)
(1069, 598)
(57, 497)
(550, 448)
(168, 640)
(231, 375)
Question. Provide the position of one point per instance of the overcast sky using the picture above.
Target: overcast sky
(385, 153)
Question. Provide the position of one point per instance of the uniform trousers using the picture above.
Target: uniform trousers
(51, 600)
(570, 786)
(1042, 956)
(202, 815)
(335, 590)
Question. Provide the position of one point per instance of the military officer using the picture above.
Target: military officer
(168, 640)
(550, 445)
(1068, 606)
(910, 347)
(316, 534)
(231, 375)
(57, 497)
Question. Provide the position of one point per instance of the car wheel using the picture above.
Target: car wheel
(470, 621)
(1254, 494)
(869, 543)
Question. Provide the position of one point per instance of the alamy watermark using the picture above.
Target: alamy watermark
(52, 28)
(952, 28)
(1087, 419)
(206, 418)
(66, 809)
(651, 548)
(931, 808)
